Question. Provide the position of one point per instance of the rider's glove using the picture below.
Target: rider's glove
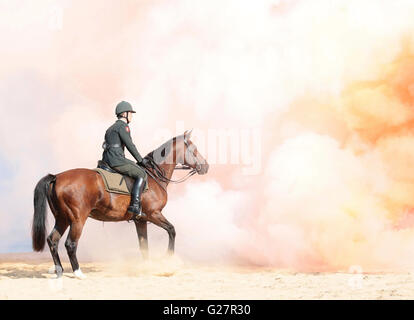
(145, 162)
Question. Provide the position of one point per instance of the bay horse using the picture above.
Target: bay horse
(77, 194)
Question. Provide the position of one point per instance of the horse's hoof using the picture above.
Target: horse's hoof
(55, 270)
(79, 275)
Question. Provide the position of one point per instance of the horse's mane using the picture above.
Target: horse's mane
(163, 151)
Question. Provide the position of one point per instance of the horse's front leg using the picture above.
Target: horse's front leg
(141, 227)
(158, 219)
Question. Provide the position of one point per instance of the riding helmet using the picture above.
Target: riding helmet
(123, 106)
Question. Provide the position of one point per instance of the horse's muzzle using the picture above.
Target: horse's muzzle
(202, 168)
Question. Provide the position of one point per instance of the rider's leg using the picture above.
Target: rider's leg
(140, 176)
(135, 206)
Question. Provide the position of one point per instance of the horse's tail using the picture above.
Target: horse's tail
(39, 217)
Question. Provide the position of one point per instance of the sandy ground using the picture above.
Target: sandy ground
(25, 276)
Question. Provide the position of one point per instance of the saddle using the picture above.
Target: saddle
(115, 182)
(105, 166)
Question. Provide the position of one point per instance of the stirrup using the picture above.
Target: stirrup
(136, 216)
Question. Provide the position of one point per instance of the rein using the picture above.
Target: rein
(149, 172)
(160, 173)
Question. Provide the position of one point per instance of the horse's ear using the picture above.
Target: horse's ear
(187, 133)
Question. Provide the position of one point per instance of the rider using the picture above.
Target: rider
(117, 137)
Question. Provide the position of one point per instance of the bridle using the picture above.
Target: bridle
(197, 163)
(160, 173)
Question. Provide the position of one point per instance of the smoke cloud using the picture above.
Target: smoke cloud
(328, 84)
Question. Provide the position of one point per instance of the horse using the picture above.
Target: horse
(77, 194)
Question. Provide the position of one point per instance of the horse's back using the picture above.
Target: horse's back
(77, 181)
(78, 174)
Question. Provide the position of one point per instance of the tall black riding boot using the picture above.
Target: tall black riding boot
(135, 206)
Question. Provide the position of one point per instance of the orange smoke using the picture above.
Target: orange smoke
(342, 195)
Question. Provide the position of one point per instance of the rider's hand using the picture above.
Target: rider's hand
(145, 162)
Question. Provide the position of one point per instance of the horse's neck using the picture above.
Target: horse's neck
(168, 169)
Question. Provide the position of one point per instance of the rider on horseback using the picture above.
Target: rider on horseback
(117, 137)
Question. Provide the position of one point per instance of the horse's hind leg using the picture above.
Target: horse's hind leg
(53, 242)
(71, 245)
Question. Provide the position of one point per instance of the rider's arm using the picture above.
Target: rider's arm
(125, 135)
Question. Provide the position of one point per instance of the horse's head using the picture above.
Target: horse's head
(191, 156)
